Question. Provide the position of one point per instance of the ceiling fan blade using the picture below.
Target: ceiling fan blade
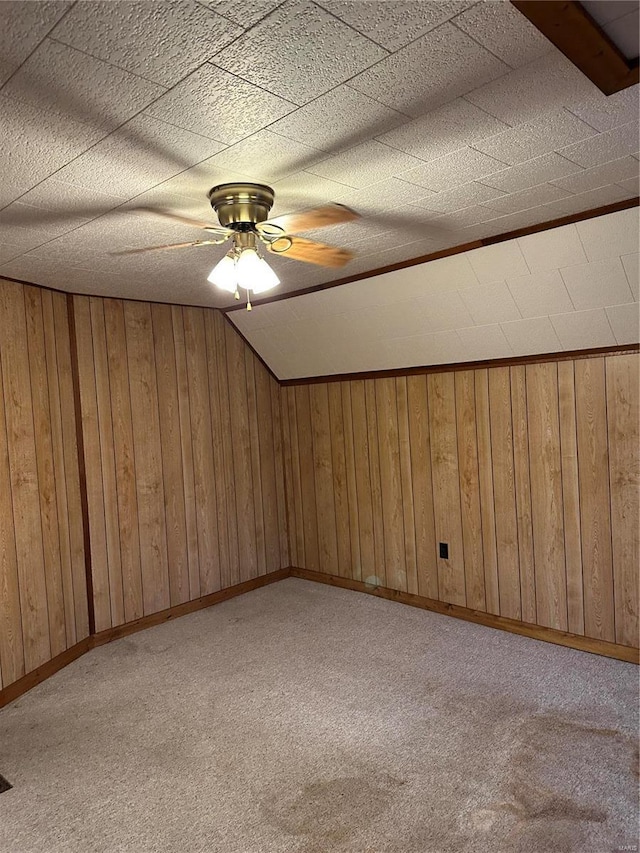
(183, 220)
(316, 217)
(311, 252)
(168, 246)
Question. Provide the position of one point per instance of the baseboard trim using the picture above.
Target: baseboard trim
(535, 632)
(17, 688)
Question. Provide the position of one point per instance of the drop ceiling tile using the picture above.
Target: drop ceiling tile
(532, 173)
(122, 166)
(605, 112)
(604, 11)
(9, 251)
(526, 199)
(625, 322)
(365, 164)
(599, 176)
(443, 130)
(453, 170)
(276, 54)
(497, 262)
(245, 14)
(597, 284)
(604, 147)
(161, 41)
(266, 156)
(490, 303)
(219, 105)
(548, 250)
(419, 350)
(630, 264)
(458, 198)
(583, 329)
(17, 227)
(57, 78)
(66, 200)
(606, 237)
(443, 310)
(24, 25)
(338, 120)
(581, 202)
(531, 336)
(623, 32)
(482, 342)
(540, 294)
(383, 195)
(631, 186)
(196, 181)
(447, 274)
(545, 84)
(544, 134)
(505, 32)
(394, 25)
(466, 217)
(302, 190)
(445, 63)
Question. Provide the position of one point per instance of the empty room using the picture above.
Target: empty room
(319, 426)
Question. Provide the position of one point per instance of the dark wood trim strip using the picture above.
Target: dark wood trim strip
(22, 685)
(535, 632)
(36, 676)
(82, 471)
(573, 31)
(594, 352)
(187, 607)
(616, 206)
(251, 347)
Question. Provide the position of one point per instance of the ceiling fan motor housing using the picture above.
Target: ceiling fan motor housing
(241, 206)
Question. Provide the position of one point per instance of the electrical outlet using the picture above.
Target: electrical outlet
(444, 551)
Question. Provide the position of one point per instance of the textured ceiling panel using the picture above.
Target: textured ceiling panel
(439, 122)
(535, 294)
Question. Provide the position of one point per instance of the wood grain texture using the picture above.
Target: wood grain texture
(497, 462)
(623, 414)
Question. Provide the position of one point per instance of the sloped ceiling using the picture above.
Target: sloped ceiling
(566, 288)
(439, 122)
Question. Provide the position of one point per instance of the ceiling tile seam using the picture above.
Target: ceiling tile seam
(244, 32)
(355, 30)
(187, 130)
(480, 45)
(589, 264)
(115, 130)
(205, 5)
(42, 40)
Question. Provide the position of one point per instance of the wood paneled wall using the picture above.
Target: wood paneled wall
(530, 473)
(43, 593)
(183, 456)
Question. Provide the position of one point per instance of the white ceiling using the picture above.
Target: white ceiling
(439, 122)
(567, 288)
(621, 22)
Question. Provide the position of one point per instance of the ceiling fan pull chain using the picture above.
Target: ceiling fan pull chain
(248, 301)
(236, 295)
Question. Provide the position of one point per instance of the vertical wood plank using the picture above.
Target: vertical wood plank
(504, 492)
(595, 507)
(296, 477)
(290, 496)
(282, 460)
(623, 414)
(523, 491)
(446, 488)
(324, 479)
(380, 574)
(23, 477)
(391, 484)
(238, 406)
(59, 472)
(426, 553)
(409, 522)
(11, 646)
(229, 490)
(487, 504)
(254, 447)
(171, 453)
(122, 426)
(148, 456)
(45, 470)
(340, 487)
(571, 497)
(93, 463)
(307, 479)
(269, 460)
(546, 495)
(352, 488)
(107, 460)
(368, 566)
(70, 452)
(470, 489)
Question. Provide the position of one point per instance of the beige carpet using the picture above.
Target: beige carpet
(309, 719)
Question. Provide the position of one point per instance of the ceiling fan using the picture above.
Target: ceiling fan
(243, 210)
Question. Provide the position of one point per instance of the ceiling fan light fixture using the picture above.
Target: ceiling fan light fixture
(224, 274)
(254, 273)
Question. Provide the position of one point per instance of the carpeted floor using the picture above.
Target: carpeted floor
(309, 719)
